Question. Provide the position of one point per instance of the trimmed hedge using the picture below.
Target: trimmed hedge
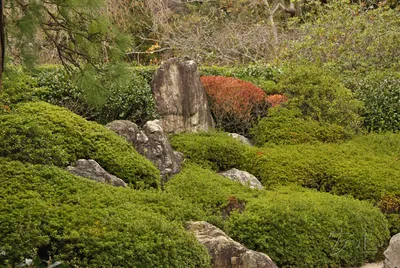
(212, 193)
(48, 214)
(215, 150)
(303, 228)
(294, 226)
(284, 126)
(365, 167)
(42, 133)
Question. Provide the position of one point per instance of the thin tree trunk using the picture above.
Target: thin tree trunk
(2, 43)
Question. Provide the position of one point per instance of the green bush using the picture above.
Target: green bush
(380, 93)
(360, 167)
(284, 126)
(18, 86)
(210, 192)
(41, 133)
(131, 100)
(48, 214)
(303, 228)
(320, 96)
(215, 150)
(290, 225)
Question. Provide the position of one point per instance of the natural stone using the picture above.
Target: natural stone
(224, 251)
(392, 253)
(152, 143)
(92, 170)
(241, 138)
(180, 97)
(243, 177)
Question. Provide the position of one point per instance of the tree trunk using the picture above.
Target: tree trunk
(2, 43)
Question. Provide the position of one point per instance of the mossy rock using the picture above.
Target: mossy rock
(41, 133)
(47, 213)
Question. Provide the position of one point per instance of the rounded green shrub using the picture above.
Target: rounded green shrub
(48, 214)
(210, 192)
(319, 95)
(380, 93)
(42, 133)
(215, 150)
(286, 126)
(303, 228)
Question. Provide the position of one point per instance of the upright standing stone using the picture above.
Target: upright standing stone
(180, 97)
(392, 253)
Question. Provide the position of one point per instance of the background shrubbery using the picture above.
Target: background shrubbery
(131, 100)
(287, 126)
(380, 93)
(41, 133)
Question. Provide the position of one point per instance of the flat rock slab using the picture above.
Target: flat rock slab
(224, 251)
(243, 177)
(90, 169)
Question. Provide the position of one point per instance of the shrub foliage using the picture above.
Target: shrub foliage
(48, 214)
(235, 104)
(42, 133)
(302, 228)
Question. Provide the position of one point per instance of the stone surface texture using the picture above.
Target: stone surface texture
(392, 253)
(180, 97)
(152, 143)
(243, 177)
(224, 251)
(90, 169)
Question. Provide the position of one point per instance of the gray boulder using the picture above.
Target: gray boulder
(152, 143)
(180, 97)
(241, 138)
(392, 253)
(243, 177)
(92, 170)
(224, 251)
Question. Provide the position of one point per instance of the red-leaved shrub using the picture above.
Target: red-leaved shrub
(236, 105)
(276, 99)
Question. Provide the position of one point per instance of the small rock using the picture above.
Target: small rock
(392, 253)
(224, 251)
(241, 138)
(92, 170)
(243, 177)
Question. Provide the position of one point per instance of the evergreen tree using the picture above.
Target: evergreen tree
(79, 30)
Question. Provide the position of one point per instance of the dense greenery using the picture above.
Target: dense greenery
(213, 150)
(380, 93)
(319, 95)
(42, 133)
(129, 100)
(48, 214)
(295, 227)
(302, 228)
(287, 126)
